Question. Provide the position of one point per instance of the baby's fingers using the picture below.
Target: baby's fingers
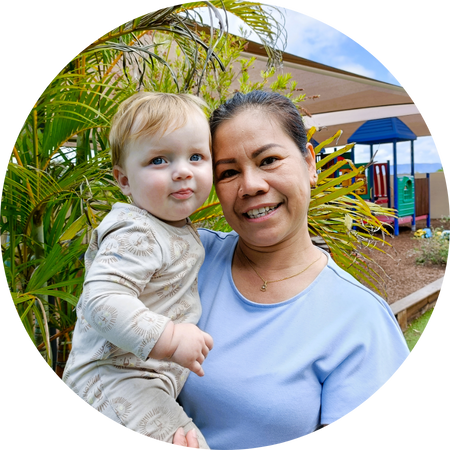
(197, 368)
(208, 340)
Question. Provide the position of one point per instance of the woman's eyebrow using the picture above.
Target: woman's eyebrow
(262, 149)
(254, 155)
(224, 161)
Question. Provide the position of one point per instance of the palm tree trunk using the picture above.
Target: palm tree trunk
(38, 228)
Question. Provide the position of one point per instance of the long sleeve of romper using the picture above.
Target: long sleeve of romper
(120, 262)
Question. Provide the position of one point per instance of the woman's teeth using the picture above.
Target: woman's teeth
(260, 212)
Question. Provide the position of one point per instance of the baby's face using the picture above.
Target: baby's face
(170, 176)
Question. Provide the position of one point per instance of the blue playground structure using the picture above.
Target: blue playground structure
(409, 205)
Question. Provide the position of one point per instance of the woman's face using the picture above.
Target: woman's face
(262, 179)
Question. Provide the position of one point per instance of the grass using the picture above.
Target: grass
(416, 329)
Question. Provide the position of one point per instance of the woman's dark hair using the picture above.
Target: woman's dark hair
(270, 103)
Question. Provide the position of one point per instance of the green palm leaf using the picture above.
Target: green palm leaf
(272, 33)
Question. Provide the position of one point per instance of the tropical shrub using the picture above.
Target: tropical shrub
(59, 185)
(432, 250)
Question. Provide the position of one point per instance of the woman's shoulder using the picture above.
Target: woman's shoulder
(211, 238)
(358, 313)
(219, 248)
(346, 288)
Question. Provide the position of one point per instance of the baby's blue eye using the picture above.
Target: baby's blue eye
(157, 161)
(196, 157)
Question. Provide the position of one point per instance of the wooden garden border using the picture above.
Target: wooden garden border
(414, 305)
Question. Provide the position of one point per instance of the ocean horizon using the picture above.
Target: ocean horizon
(403, 169)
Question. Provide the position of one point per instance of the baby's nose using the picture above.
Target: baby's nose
(182, 171)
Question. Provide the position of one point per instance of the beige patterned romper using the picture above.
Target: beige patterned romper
(140, 273)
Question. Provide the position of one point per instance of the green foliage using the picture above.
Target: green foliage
(216, 86)
(271, 32)
(59, 186)
(345, 221)
(433, 250)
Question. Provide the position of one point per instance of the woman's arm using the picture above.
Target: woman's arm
(367, 357)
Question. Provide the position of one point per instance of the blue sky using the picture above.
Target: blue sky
(403, 45)
(407, 44)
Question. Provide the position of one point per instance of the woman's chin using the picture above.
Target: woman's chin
(269, 235)
(262, 238)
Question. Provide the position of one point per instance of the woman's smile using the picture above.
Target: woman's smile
(261, 211)
(262, 179)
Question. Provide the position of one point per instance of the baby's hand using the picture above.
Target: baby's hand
(191, 346)
(185, 344)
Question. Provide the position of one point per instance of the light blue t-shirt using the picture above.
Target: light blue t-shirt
(278, 371)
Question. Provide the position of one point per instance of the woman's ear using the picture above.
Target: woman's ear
(122, 180)
(310, 159)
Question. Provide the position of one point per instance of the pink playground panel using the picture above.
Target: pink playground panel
(380, 183)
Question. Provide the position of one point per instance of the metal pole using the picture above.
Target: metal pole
(429, 201)
(396, 227)
(413, 223)
(371, 177)
(334, 162)
(388, 183)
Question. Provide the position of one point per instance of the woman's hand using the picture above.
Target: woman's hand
(188, 440)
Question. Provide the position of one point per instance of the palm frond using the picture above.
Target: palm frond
(345, 221)
(260, 20)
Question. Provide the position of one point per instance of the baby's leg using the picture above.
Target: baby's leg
(144, 404)
(146, 407)
(201, 439)
(161, 416)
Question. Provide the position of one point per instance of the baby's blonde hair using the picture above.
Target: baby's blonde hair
(150, 113)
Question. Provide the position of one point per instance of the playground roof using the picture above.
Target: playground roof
(314, 142)
(381, 131)
(346, 100)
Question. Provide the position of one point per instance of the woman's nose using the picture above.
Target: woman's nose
(182, 171)
(252, 184)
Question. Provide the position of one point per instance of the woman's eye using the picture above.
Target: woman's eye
(269, 160)
(227, 174)
(157, 161)
(196, 157)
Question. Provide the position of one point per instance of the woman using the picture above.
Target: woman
(298, 342)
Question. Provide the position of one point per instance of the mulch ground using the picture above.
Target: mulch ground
(403, 276)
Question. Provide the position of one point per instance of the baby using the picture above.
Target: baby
(136, 337)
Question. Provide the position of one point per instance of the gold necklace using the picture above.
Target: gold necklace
(266, 282)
